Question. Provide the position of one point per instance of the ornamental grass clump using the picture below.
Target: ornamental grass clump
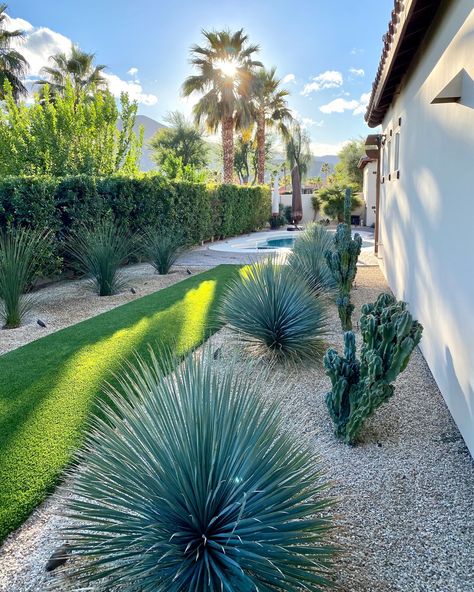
(359, 387)
(98, 251)
(162, 247)
(20, 254)
(275, 313)
(308, 259)
(191, 483)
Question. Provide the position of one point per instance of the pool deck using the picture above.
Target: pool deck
(241, 249)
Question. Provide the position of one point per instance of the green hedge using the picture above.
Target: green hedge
(202, 212)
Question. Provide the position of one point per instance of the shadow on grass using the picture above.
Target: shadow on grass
(50, 386)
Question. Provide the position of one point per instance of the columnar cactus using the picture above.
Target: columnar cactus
(389, 335)
(343, 264)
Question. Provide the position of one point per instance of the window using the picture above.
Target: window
(396, 164)
(389, 159)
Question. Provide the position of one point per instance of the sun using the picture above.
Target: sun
(227, 67)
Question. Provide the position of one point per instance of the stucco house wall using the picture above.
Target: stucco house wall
(427, 206)
(369, 191)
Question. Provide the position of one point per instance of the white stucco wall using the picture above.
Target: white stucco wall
(427, 215)
(369, 191)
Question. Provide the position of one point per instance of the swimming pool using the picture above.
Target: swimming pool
(272, 242)
(277, 243)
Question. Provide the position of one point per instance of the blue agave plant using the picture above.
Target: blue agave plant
(191, 484)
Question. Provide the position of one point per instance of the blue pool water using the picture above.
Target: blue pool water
(277, 243)
(288, 243)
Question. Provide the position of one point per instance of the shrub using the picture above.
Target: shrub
(63, 204)
(162, 248)
(389, 336)
(308, 259)
(240, 209)
(20, 252)
(278, 221)
(98, 252)
(275, 313)
(332, 200)
(193, 483)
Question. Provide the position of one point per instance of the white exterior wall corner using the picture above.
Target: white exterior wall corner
(427, 215)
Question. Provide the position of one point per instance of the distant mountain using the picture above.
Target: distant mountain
(151, 126)
(317, 163)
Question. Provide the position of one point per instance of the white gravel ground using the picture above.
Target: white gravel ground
(406, 496)
(64, 303)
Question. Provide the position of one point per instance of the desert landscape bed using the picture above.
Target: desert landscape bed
(403, 500)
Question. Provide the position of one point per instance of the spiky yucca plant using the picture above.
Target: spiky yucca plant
(20, 252)
(98, 252)
(192, 484)
(275, 312)
(162, 248)
(308, 258)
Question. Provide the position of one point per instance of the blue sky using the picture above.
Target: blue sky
(328, 51)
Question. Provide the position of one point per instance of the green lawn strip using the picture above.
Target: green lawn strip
(48, 387)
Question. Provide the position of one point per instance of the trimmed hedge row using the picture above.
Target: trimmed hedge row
(201, 212)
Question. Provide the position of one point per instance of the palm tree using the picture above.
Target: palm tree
(226, 70)
(78, 68)
(325, 170)
(13, 66)
(298, 149)
(271, 109)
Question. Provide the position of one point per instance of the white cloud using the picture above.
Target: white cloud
(363, 102)
(308, 122)
(40, 43)
(340, 105)
(305, 122)
(328, 79)
(357, 50)
(357, 71)
(321, 149)
(288, 78)
(12, 24)
(133, 88)
(133, 71)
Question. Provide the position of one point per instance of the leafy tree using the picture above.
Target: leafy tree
(271, 110)
(72, 134)
(182, 139)
(173, 168)
(332, 200)
(226, 69)
(298, 149)
(247, 155)
(13, 66)
(77, 68)
(346, 171)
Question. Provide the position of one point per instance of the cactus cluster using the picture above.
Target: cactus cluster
(359, 387)
(342, 262)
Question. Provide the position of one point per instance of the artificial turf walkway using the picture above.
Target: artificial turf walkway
(48, 387)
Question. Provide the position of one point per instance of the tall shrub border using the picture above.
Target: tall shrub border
(202, 212)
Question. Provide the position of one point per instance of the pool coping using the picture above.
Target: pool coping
(236, 245)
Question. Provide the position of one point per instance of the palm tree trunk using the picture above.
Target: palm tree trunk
(261, 147)
(228, 148)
